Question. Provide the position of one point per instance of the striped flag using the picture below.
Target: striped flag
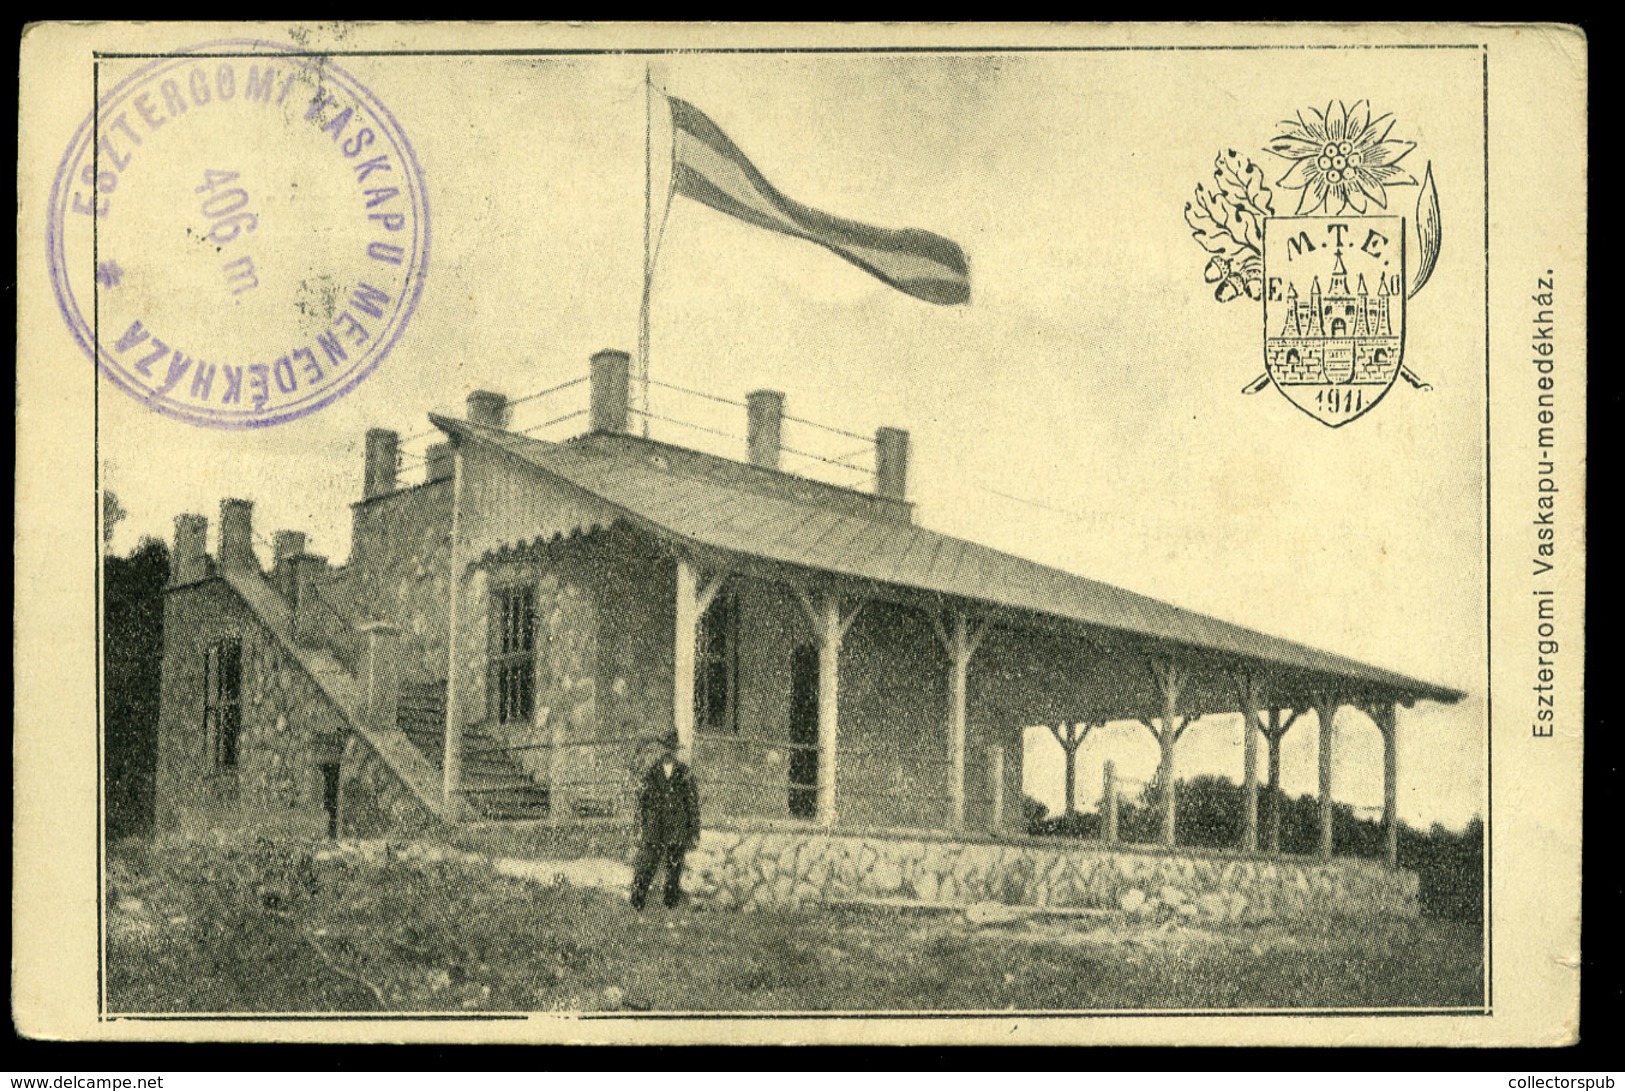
(710, 168)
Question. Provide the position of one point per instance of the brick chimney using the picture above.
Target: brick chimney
(191, 550)
(237, 535)
(310, 621)
(765, 423)
(891, 463)
(287, 546)
(611, 390)
(382, 449)
(488, 408)
(441, 465)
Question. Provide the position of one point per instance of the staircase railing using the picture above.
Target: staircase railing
(319, 623)
(496, 784)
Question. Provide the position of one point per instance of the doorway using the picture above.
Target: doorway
(804, 732)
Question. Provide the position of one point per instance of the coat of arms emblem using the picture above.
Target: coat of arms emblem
(1334, 311)
(1332, 278)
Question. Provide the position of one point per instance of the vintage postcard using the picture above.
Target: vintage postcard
(572, 533)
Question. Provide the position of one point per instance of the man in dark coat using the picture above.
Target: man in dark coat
(668, 824)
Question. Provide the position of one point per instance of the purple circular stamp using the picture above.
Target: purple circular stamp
(238, 233)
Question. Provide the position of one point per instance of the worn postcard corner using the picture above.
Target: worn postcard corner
(662, 533)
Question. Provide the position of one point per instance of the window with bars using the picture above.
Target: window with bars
(715, 666)
(513, 654)
(222, 701)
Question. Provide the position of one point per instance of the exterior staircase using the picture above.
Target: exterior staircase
(339, 684)
(494, 785)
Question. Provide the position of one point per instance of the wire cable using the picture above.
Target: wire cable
(550, 390)
(826, 427)
(830, 461)
(551, 423)
(683, 423)
(695, 393)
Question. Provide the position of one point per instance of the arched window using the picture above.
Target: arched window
(716, 665)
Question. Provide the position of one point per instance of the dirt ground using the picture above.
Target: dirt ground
(293, 926)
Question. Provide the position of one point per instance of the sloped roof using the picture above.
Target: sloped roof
(776, 525)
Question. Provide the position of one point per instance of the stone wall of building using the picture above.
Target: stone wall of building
(289, 729)
(373, 802)
(602, 664)
(779, 869)
(567, 604)
(635, 589)
(745, 764)
(893, 759)
(398, 570)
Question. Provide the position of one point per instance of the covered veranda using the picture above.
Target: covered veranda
(1089, 675)
(1003, 642)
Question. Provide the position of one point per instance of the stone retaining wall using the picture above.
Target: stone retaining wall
(771, 870)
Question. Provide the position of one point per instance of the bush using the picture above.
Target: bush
(133, 649)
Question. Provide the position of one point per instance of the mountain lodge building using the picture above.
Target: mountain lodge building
(509, 635)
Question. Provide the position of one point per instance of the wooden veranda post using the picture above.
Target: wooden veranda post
(1169, 680)
(1390, 784)
(829, 627)
(1280, 721)
(693, 597)
(1326, 712)
(995, 770)
(1071, 737)
(1249, 782)
(1108, 804)
(1247, 695)
(960, 638)
(1386, 716)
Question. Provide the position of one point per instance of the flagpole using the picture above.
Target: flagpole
(648, 271)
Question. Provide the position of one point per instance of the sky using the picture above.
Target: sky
(1083, 410)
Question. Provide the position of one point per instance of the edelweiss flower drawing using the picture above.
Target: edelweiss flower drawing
(1343, 162)
(1334, 316)
(1342, 158)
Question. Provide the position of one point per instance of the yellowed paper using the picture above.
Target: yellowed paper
(1271, 334)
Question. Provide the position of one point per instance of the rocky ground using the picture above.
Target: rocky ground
(222, 925)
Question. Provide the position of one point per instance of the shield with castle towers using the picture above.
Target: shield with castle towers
(1334, 311)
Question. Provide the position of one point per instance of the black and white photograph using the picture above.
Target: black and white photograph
(656, 533)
